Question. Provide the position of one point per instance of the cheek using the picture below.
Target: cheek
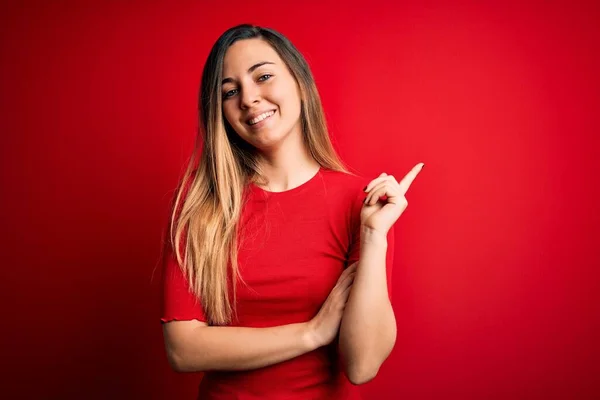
(289, 98)
(229, 115)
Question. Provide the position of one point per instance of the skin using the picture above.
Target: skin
(358, 307)
(368, 327)
(283, 155)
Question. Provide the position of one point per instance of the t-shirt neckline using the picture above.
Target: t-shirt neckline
(291, 191)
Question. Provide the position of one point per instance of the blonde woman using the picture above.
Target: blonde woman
(278, 264)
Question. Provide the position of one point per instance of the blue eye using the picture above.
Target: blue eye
(233, 92)
(229, 94)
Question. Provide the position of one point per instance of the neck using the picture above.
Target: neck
(287, 167)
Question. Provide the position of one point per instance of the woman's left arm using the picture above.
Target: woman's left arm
(368, 326)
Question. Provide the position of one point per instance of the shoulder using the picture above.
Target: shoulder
(346, 190)
(349, 183)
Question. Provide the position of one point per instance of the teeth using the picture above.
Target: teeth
(261, 117)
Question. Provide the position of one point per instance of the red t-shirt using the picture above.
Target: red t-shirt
(294, 246)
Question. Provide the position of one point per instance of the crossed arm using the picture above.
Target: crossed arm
(366, 336)
(367, 331)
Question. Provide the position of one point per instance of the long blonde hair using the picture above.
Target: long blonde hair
(206, 208)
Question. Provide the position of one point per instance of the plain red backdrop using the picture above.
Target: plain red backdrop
(495, 281)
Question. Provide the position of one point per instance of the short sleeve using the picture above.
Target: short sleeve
(178, 302)
(354, 252)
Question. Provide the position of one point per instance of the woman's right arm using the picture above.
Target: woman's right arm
(193, 346)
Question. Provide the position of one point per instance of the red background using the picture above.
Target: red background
(495, 281)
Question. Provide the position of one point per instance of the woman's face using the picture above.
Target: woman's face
(261, 99)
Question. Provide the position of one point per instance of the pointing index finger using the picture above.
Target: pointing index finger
(410, 177)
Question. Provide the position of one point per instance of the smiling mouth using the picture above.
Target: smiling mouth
(261, 117)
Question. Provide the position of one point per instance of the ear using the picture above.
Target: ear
(301, 93)
(302, 99)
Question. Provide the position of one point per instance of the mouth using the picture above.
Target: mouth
(261, 119)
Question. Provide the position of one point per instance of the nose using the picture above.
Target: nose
(249, 96)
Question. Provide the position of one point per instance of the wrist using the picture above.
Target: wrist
(369, 235)
(309, 337)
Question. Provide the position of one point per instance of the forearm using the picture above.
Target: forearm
(241, 348)
(368, 327)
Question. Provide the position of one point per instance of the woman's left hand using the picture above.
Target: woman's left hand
(380, 215)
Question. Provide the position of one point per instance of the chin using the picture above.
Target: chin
(268, 142)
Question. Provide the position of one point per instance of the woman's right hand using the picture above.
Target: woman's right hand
(324, 327)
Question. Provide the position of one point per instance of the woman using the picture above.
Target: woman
(277, 275)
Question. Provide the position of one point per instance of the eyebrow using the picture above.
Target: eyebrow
(250, 70)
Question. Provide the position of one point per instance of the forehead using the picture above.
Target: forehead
(245, 53)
